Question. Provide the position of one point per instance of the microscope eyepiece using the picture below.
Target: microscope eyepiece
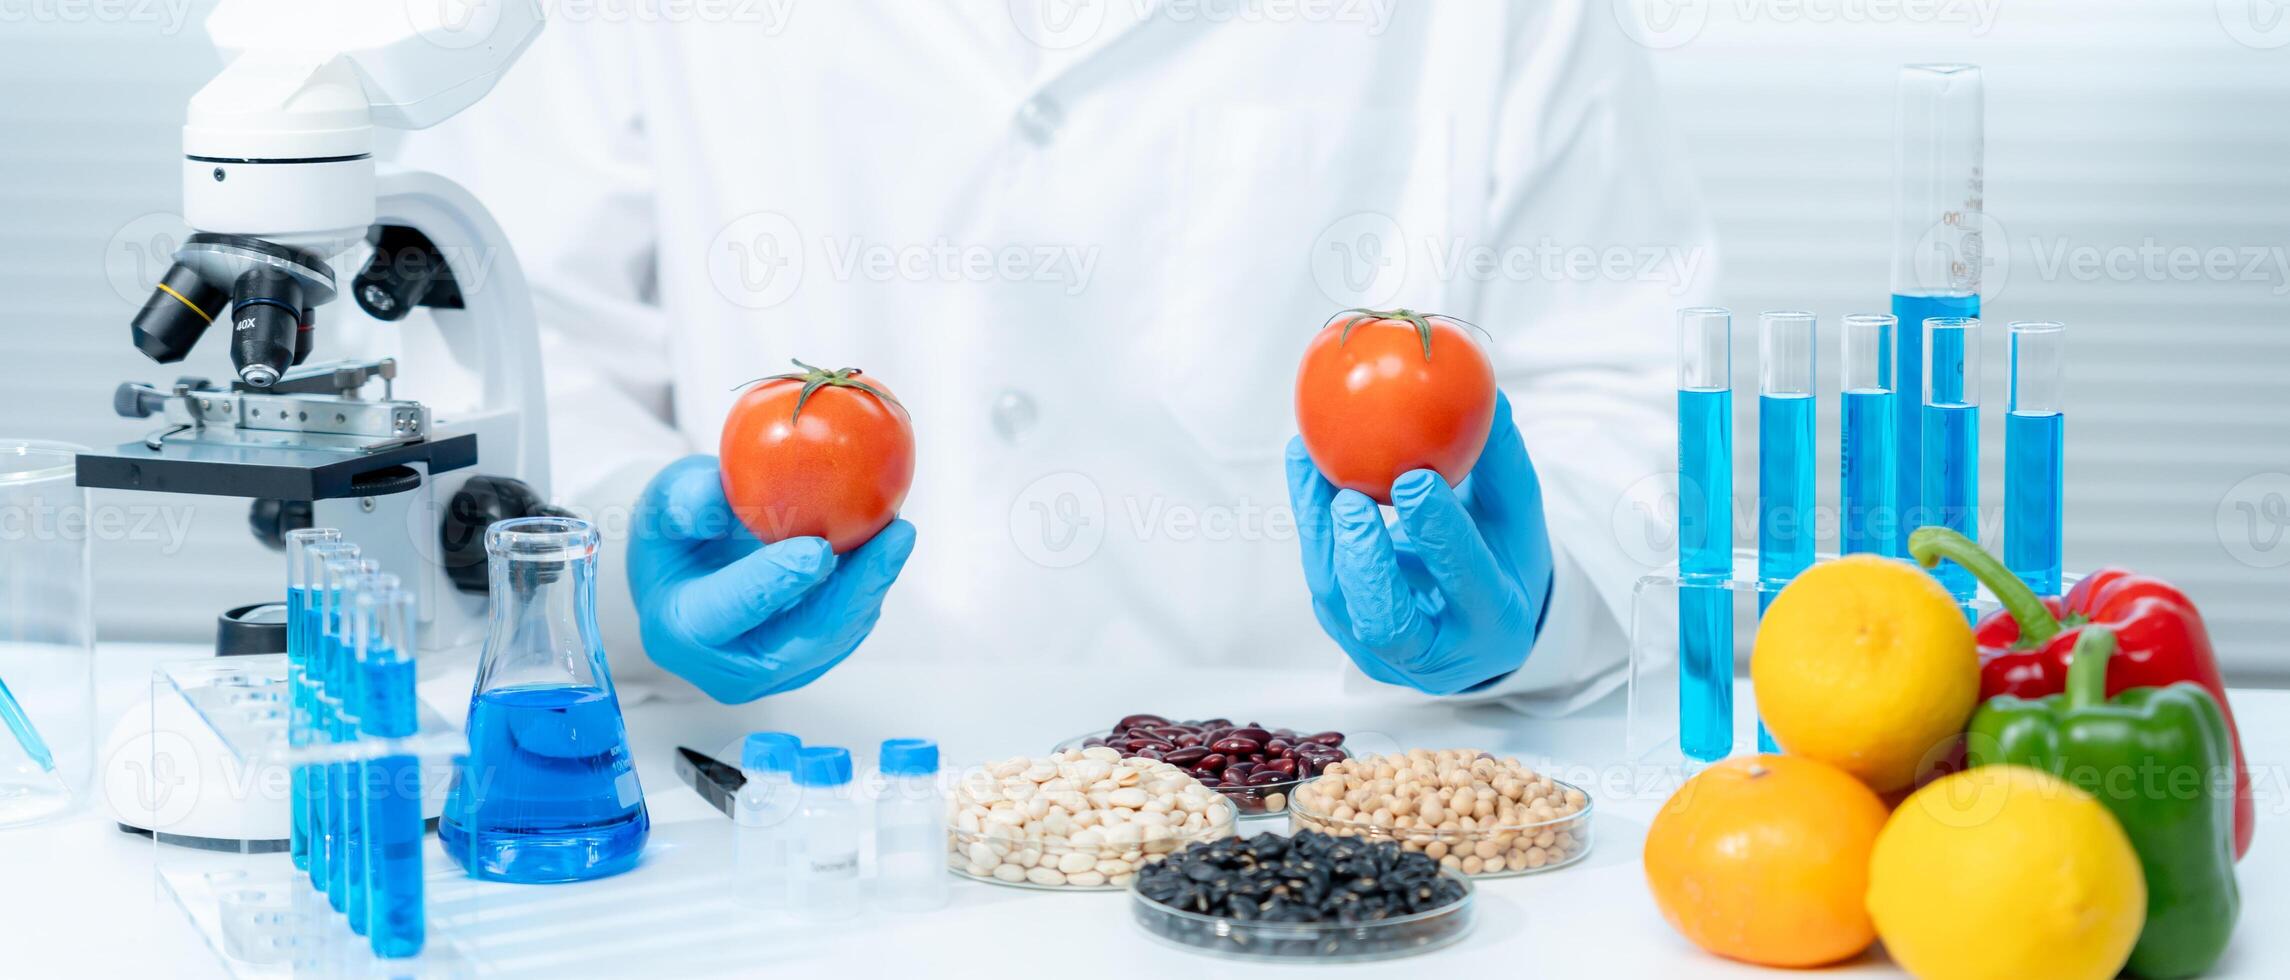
(177, 313)
(266, 323)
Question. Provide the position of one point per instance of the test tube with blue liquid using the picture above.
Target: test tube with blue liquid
(2035, 431)
(317, 606)
(1785, 419)
(331, 780)
(1705, 533)
(1870, 450)
(1952, 437)
(393, 923)
(357, 773)
(299, 563)
(1937, 247)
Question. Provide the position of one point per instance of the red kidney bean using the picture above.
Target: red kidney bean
(1252, 733)
(1209, 781)
(1239, 770)
(1149, 753)
(1237, 746)
(1277, 747)
(1188, 740)
(1214, 761)
(1187, 755)
(1266, 777)
(1283, 765)
(1134, 721)
(1330, 739)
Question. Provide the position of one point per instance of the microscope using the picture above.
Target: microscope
(279, 184)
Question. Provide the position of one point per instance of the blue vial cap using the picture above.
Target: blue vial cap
(909, 757)
(769, 752)
(828, 766)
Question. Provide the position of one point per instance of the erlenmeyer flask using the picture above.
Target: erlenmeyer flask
(548, 791)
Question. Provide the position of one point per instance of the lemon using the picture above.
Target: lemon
(2005, 871)
(1867, 664)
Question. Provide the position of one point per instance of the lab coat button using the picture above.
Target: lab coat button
(1014, 415)
(1039, 119)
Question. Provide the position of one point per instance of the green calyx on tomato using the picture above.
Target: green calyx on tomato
(816, 378)
(1420, 321)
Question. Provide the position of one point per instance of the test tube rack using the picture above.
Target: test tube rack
(222, 721)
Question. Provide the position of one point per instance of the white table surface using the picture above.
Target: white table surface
(81, 898)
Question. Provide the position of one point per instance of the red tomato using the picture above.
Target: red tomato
(1381, 393)
(826, 454)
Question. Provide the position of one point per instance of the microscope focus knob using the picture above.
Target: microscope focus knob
(136, 401)
(475, 507)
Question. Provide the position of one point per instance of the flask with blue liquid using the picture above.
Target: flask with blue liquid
(548, 791)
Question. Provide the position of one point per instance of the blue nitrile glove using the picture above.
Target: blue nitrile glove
(1450, 597)
(738, 618)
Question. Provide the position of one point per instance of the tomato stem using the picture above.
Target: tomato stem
(816, 378)
(1420, 321)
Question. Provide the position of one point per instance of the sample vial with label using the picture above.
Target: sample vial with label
(910, 828)
(826, 873)
(763, 824)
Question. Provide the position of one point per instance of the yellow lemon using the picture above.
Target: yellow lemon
(2005, 871)
(1867, 664)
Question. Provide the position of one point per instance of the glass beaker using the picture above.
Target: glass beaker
(47, 633)
(548, 791)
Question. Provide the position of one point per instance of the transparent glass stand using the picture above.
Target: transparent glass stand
(217, 796)
(1651, 736)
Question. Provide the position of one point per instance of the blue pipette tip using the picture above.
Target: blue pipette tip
(27, 736)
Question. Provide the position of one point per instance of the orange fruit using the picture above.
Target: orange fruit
(1765, 859)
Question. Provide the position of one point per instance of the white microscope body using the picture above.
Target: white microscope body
(278, 182)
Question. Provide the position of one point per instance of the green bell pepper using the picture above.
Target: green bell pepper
(2155, 756)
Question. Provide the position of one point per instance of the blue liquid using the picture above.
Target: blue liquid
(321, 646)
(298, 723)
(2033, 481)
(1705, 564)
(548, 792)
(356, 774)
(1952, 482)
(1785, 505)
(394, 925)
(336, 774)
(1908, 380)
(1785, 508)
(1868, 458)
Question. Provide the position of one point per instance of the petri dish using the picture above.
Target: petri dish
(1261, 800)
(1498, 851)
(1318, 942)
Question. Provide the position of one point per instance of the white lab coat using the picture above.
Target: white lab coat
(1088, 269)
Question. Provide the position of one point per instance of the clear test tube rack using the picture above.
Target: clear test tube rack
(258, 913)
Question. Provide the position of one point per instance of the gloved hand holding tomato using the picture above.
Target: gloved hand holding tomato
(758, 575)
(1402, 408)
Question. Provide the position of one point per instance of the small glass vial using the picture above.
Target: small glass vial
(910, 828)
(825, 879)
(762, 820)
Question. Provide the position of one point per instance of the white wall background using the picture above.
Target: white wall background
(2112, 125)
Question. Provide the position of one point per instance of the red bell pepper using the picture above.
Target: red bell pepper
(2025, 647)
